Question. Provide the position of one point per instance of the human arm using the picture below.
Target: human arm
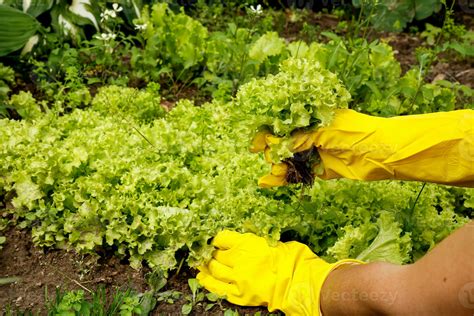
(440, 283)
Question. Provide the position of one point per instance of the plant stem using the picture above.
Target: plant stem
(417, 197)
(179, 267)
(9, 280)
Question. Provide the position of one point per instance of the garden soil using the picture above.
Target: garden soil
(42, 270)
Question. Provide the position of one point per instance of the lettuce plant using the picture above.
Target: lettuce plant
(301, 95)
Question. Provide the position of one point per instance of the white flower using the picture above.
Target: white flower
(256, 10)
(140, 27)
(110, 14)
(106, 36)
(103, 17)
(107, 14)
(116, 7)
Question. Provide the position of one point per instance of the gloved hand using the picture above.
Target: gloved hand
(434, 147)
(249, 272)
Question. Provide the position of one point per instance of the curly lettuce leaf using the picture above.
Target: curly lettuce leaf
(269, 44)
(390, 245)
(301, 95)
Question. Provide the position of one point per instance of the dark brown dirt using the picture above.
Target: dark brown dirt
(170, 96)
(404, 46)
(40, 270)
(448, 66)
(293, 28)
(456, 71)
(46, 269)
(462, 17)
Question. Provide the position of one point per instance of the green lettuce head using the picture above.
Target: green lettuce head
(301, 95)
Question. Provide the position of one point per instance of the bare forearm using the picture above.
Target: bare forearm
(436, 284)
(361, 290)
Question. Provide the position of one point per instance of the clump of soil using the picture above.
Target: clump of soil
(300, 166)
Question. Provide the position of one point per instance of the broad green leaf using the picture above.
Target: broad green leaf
(131, 9)
(212, 297)
(37, 7)
(147, 303)
(425, 8)
(231, 312)
(332, 36)
(157, 280)
(267, 45)
(389, 15)
(82, 13)
(186, 309)
(16, 28)
(463, 49)
(194, 286)
(389, 245)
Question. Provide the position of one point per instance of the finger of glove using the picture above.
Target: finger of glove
(226, 257)
(226, 239)
(299, 138)
(258, 143)
(303, 141)
(272, 139)
(216, 286)
(279, 169)
(267, 154)
(271, 180)
(221, 271)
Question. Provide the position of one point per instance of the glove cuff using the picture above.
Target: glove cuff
(303, 296)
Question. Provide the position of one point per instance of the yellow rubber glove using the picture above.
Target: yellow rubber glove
(434, 147)
(249, 272)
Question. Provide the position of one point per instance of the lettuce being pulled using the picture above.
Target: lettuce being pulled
(369, 242)
(390, 245)
(302, 94)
